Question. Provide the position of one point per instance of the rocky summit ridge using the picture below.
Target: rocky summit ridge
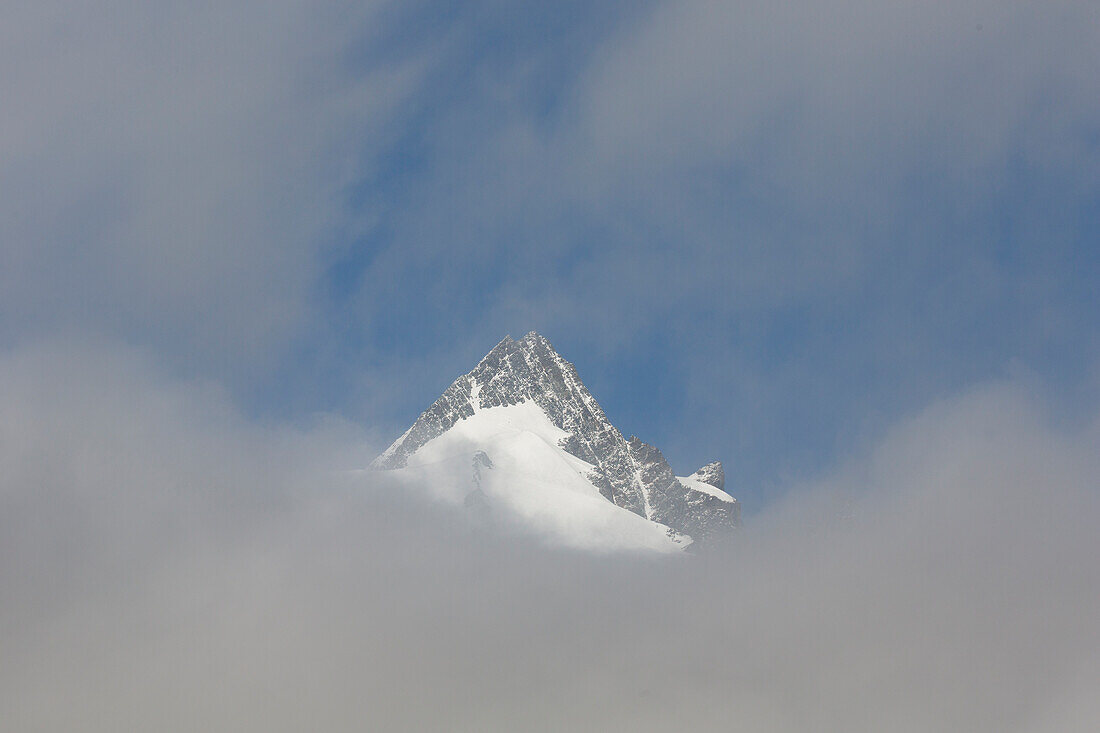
(628, 473)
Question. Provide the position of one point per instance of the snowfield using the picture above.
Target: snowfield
(696, 485)
(527, 475)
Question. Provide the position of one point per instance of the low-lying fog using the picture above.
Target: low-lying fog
(166, 564)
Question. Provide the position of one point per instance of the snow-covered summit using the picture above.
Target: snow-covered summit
(631, 476)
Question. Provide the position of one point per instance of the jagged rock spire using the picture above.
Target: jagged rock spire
(712, 474)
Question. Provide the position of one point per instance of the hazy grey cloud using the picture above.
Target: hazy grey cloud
(169, 565)
(853, 89)
(177, 176)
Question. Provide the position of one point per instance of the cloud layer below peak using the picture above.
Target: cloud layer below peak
(173, 565)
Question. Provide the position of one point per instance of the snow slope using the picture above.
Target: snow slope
(510, 458)
(695, 484)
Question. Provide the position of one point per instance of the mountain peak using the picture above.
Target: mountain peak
(534, 337)
(631, 475)
(532, 347)
(514, 371)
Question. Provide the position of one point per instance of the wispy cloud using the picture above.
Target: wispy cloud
(827, 209)
(177, 177)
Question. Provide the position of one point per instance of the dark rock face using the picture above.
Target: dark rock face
(703, 517)
(633, 475)
(712, 474)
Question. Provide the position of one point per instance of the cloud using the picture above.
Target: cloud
(175, 566)
(828, 212)
(767, 154)
(178, 178)
(852, 89)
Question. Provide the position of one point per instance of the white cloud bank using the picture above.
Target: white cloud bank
(166, 565)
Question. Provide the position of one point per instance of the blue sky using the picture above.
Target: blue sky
(762, 234)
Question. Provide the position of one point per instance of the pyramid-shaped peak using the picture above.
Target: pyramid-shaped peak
(513, 372)
(510, 353)
(527, 368)
(632, 475)
(533, 340)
